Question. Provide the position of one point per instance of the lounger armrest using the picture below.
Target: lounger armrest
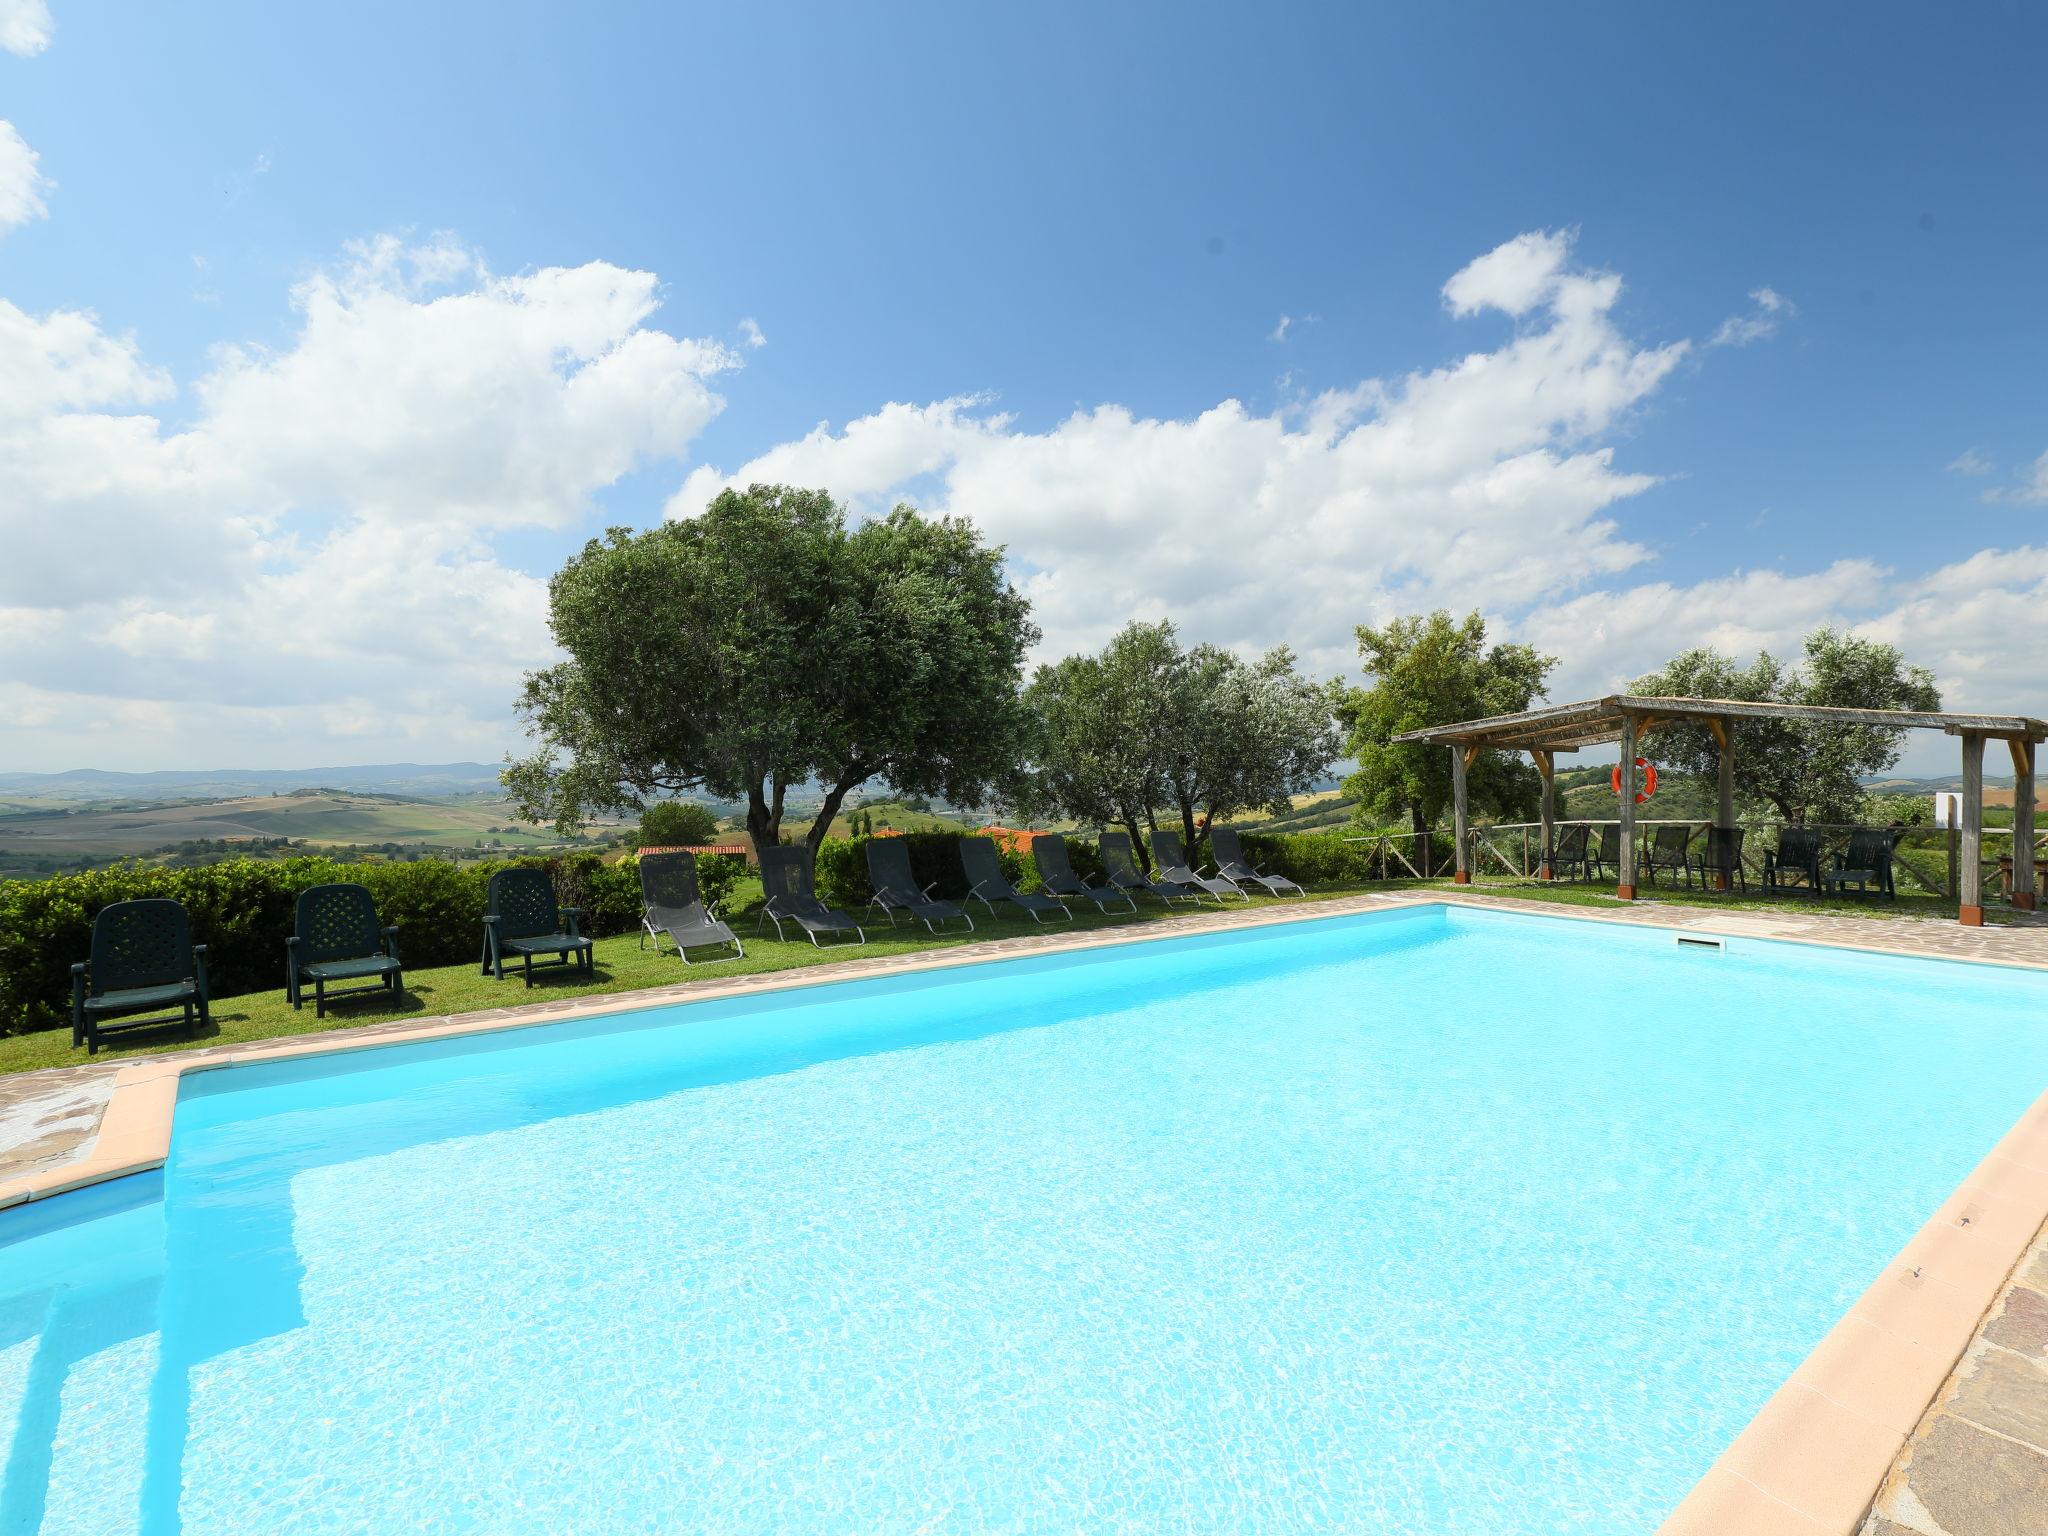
(78, 981)
(570, 916)
(199, 967)
(391, 940)
(927, 893)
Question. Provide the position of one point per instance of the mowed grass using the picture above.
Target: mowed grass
(1575, 893)
(622, 966)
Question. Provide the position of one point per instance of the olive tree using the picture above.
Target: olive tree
(1807, 770)
(1200, 734)
(765, 646)
(1436, 670)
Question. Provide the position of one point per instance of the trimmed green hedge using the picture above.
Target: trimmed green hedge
(934, 860)
(1309, 858)
(242, 911)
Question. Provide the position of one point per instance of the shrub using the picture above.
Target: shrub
(242, 912)
(934, 861)
(1309, 858)
(677, 824)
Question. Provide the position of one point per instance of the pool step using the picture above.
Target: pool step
(74, 1395)
(1701, 941)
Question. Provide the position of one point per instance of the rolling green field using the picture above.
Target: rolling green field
(36, 840)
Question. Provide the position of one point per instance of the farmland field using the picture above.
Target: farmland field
(38, 839)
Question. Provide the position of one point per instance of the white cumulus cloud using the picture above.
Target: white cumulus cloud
(23, 186)
(312, 550)
(1251, 527)
(24, 26)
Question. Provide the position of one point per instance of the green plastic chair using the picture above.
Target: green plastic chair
(336, 937)
(522, 919)
(143, 961)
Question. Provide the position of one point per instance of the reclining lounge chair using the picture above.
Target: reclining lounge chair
(790, 885)
(1233, 866)
(671, 904)
(896, 889)
(1170, 861)
(1056, 874)
(1120, 864)
(987, 884)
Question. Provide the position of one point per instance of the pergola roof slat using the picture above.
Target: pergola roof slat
(1590, 721)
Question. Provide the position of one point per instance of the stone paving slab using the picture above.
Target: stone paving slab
(1978, 1463)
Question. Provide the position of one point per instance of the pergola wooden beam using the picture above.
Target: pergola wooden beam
(1626, 718)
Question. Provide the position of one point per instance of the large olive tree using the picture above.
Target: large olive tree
(765, 646)
(1807, 770)
(1436, 670)
(1146, 727)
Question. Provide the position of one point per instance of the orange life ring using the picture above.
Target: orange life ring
(1649, 788)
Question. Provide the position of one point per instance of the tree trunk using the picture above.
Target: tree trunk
(834, 798)
(764, 816)
(1139, 850)
(1190, 834)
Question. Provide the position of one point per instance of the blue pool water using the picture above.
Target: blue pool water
(1425, 1222)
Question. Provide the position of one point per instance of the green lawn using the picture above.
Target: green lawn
(622, 966)
(1601, 894)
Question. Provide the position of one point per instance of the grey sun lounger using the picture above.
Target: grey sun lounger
(671, 904)
(1233, 866)
(1056, 874)
(987, 884)
(1121, 866)
(896, 890)
(1170, 859)
(789, 883)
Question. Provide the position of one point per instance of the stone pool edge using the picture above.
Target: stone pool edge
(1811, 1463)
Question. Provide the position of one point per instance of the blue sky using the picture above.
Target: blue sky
(1008, 223)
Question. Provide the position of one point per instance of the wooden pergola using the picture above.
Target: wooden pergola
(1627, 719)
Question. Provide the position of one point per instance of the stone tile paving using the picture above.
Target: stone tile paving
(1978, 1465)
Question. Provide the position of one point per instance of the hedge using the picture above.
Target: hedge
(242, 911)
(934, 861)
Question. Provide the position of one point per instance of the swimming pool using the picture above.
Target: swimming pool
(1435, 1220)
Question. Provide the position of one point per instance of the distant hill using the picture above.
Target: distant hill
(413, 780)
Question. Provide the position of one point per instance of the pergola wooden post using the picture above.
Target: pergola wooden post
(1724, 805)
(2022, 822)
(1970, 896)
(1546, 765)
(1625, 884)
(1626, 718)
(1461, 760)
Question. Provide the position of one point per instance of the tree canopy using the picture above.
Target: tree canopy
(1146, 727)
(677, 824)
(1807, 770)
(765, 645)
(1436, 670)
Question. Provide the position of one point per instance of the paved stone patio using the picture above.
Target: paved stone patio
(1977, 1465)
